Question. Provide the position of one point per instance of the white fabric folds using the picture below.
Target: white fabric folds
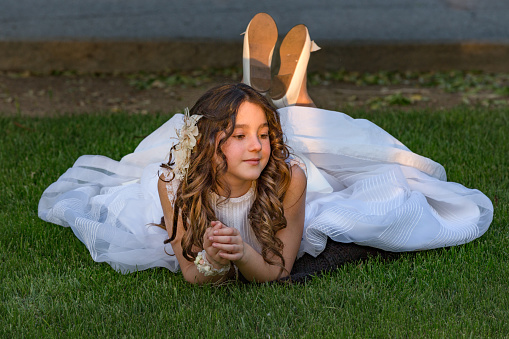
(364, 186)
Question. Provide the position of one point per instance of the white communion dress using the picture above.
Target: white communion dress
(364, 186)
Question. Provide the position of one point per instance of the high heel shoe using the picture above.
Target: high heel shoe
(289, 85)
(259, 41)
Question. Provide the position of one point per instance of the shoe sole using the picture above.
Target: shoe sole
(291, 53)
(261, 37)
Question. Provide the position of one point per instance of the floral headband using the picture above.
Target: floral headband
(187, 137)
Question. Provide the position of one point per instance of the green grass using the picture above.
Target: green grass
(50, 287)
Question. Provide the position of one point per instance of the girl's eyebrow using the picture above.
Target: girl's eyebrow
(266, 124)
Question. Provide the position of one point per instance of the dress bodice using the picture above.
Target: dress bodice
(233, 212)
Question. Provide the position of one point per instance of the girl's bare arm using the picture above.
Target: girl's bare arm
(188, 268)
(251, 263)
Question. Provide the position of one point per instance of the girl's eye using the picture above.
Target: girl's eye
(264, 135)
(239, 136)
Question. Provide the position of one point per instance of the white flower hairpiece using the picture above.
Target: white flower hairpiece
(187, 137)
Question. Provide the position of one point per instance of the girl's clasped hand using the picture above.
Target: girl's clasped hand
(223, 244)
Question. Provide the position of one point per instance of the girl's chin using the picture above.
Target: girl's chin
(246, 178)
(250, 178)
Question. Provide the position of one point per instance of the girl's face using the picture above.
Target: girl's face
(247, 151)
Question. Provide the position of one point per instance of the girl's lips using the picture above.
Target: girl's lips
(252, 161)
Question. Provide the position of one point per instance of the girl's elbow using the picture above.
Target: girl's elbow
(190, 276)
(191, 279)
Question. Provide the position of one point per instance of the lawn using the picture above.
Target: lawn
(50, 287)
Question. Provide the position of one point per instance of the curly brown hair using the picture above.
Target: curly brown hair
(219, 107)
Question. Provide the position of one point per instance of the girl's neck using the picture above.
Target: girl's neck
(236, 190)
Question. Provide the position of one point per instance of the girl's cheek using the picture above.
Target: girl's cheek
(266, 145)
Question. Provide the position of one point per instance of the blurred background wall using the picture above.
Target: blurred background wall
(154, 35)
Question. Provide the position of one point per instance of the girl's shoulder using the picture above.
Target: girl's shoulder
(166, 183)
(296, 162)
(298, 183)
(299, 178)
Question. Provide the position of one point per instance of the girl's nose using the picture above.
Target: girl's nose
(255, 145)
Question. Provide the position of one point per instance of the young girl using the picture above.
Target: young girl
(238, 198)
(231, 192)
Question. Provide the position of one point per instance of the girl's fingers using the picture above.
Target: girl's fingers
(226, 231)
(226, 235)
(231, 256)
(209, 232)
(225, 239)
(230, 248)
(216, 225)
(206, 237)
